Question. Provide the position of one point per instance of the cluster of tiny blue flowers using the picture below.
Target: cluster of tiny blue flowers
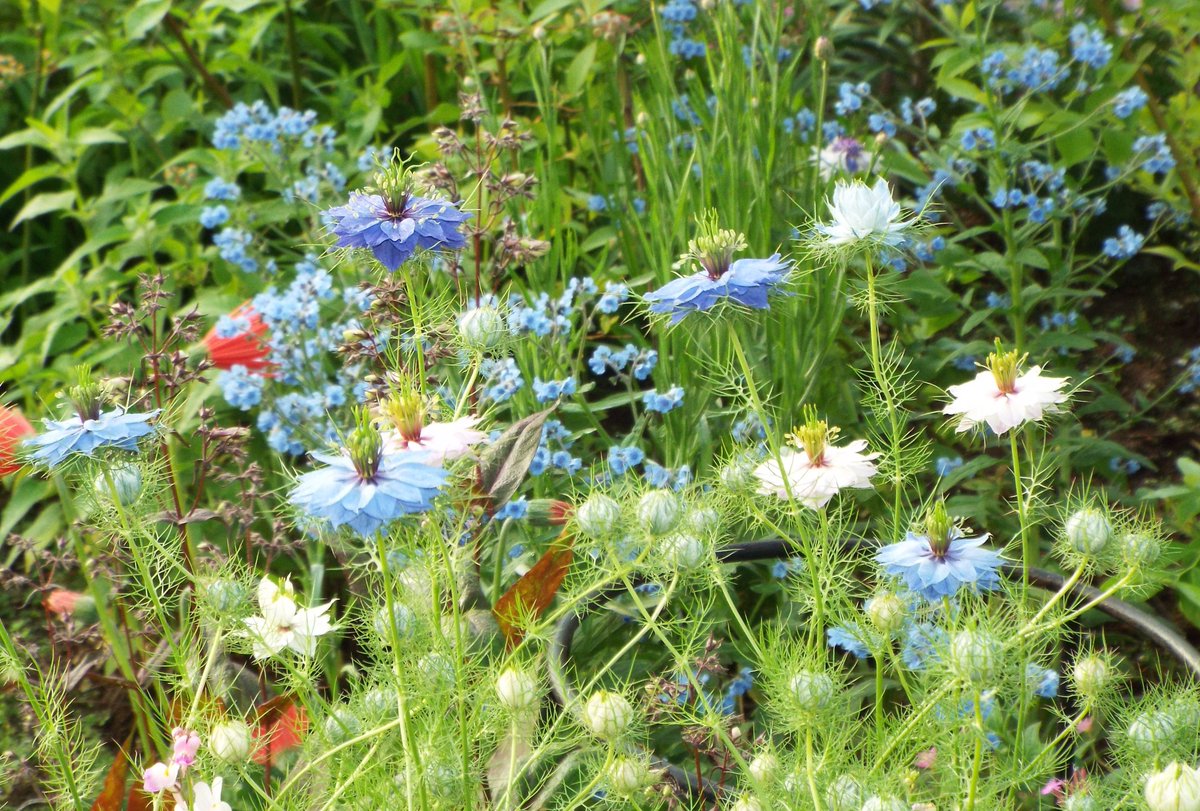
(1191, 372)
(547, 391)
(1158, 159)
(1129, 101)
(241, 389)
(1125, 245)
(677, 14)
(257, 123)
(665, 402)
(850, 97)
(1089, 47)
(641, 361)
(553, 452)
(502, 378)
(658, 476)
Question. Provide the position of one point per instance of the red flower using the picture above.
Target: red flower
(247, 348)
(13, 428)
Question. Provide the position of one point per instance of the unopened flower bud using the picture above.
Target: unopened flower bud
(1140, 548)
(607, 715)
(354, 336)
(881, 138)
(823, 49)
(538, 33)
(627, 775)
(877, 803)
(341, 725)
(747, 802)
(125, 484)
(482, 328)
(379, 702)
(1092, 675)
(224, 596)
(659, 511)
(738, 476)
(1150, 732)
(1080, 802)
(547, 512)
(973, 656)
(887, 612)
(683, 550)
(704, 521)
(764, 767)
(1175, 788)
(403, 621)
(517, 689)
(812, 690)
(1088, 531)
(599, 516)
(437, 671)
(230, 741)
(844, 794)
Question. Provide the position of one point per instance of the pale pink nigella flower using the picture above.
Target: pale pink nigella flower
(815, 470)
(440, 441)
(160, 777)
(1002, 397)
(186, 744)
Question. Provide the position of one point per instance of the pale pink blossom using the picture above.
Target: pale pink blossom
(160, 777)
(186, 744)
(440, 441)
(985, 401)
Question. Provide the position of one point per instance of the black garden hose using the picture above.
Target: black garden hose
(1150, 627)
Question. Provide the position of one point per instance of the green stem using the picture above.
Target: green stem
(1028, 552)
(977, 760)
(889, 398)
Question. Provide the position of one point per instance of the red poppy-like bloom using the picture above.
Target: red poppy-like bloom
(13, 428)
(237, 340)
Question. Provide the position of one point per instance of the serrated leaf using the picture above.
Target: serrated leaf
(503, 465)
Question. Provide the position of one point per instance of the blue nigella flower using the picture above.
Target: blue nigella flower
(939, 569)
(87, 434)
(365, 491)
(849, 639)
(1042, 681)
(747, 282)
(395, 230)
(922, 642)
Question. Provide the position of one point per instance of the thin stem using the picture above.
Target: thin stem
(885, 390)
(977, 760)
(1028, 552)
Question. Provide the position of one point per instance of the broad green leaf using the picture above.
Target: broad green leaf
(44, 204)
(580, 68)
(144, 16)
(503, 465)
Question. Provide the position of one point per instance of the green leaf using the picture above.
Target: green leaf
(30, 177)
(504, 464)
(580, 69)
(145, 16)
(44, 204)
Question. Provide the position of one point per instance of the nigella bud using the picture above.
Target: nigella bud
(1150, 732)
(1175, 788)
(1079, 802)
(659, 511)
(703, 521)
(481, 328)
(747, 802)
(627, 775)
(224, 596)
(437, 671)
(1140, 549)
(764, 767)
(738, 476)
(125, 485)
(598, 517)
(844, 794)
(380, 703)
(823, 49)
(878, 803)
(887, 612)
(973, 655)
(607, 715)
(403, 622)
(538, 33)
(517, 690)
(683, 550)
(341, 725)
(1088, 531)
(230, 741)
(812, 690)
(1092, 675)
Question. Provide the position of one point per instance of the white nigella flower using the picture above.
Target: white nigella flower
(1002, 397)
(815, 469)
(1175, 788)
(284, 624)
(407, 429)
(864, 213)
(206, 798)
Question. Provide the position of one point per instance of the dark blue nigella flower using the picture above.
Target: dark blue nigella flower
(367, 488)
(395, 222)
(85, 434)
(849, 639)
(942, 561)
(747, 282)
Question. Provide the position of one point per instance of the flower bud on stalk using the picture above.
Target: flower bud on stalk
(517, 690)
(1088, 531)
(659, 511)
(1175, 788)
(230, 741)
(598, 517)
(607, 715)
(813, 691)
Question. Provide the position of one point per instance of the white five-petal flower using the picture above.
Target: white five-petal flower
(283, 623)
(861, 213)
(206, 798)
(1004, 399)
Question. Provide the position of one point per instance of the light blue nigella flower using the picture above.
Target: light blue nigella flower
(367, 488)
(922, 643)
(849, 639)
(79, 434)
(1042, 681)
(936, 573)
(747, 282)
